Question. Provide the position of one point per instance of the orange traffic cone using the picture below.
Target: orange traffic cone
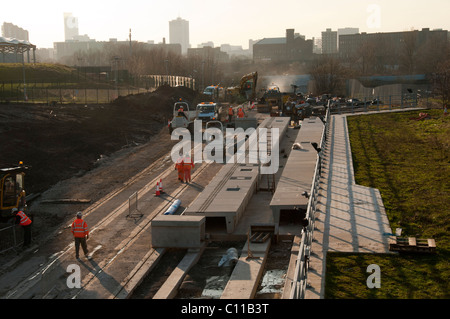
(161, 186)
(158, 192)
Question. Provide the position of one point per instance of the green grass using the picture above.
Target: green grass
(46, 72)
(409, 162)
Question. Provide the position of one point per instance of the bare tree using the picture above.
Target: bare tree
(408, 52)
(329, 76)
(441, 81)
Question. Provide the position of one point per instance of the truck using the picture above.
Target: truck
(182, 119)
(208, 111)
(212, 91)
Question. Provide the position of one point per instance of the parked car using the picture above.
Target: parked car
(354, 102)
(376, 102)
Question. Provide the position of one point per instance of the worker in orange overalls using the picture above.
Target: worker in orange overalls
(230, 114)
(240, 113)
(25, 222)
(181, 112)
(80, 233)
(179, 166)
(188, 166)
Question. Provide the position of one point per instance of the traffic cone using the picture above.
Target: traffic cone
(161, 186)
(158, 192)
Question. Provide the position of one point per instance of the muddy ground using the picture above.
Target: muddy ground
(84, 151)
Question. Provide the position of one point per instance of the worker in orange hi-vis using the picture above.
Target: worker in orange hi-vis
(240, 113)
(188, 166)
(180, 167)
(80, 233)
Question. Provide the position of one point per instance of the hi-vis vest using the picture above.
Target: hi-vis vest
(24, 220)
(80, 228)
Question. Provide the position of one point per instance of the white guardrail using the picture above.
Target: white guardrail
(299, 282)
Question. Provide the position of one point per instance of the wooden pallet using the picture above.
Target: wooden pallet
(412, 244)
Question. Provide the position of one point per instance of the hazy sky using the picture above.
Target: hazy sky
(229, 21)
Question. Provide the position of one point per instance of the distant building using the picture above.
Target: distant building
(346, 31)
(206, 44)
(388, 49)
(317, 48)
(235, 50)
(70, 26)
(329, 42)
(251, 43)
(67, 49)
(293, 47)
(10, 30)
(179, 33)
(208, 54)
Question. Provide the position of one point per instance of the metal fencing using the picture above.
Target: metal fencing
(11, 237)
(85, 93)
(299, 282)
(374, 103)
(62, 95)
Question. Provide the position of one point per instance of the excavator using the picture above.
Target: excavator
(246, 88)
(12, 193)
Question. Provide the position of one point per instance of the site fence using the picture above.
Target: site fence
(377, 103)
(299, 281)
(64, 95)
(11, 236)
(85, 93)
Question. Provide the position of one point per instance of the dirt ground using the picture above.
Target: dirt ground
(84, 151)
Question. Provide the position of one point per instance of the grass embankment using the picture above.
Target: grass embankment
(38, 72)
(409, 162)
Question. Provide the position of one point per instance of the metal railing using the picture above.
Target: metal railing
(379, 103)
(11, 237)
(299, 281)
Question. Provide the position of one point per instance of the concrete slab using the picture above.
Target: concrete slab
(247, 273)
(175, 231)
(298, 171)
(170, 287)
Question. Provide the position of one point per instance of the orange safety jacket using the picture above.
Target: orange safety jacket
(24, 220)
(179, 165)
(240, 113)
(230, 111)
(187, 164)
(80, 228)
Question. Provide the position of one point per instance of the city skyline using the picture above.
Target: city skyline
(234, 23)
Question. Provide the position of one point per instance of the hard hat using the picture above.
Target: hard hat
(14, 210)
(79, 214)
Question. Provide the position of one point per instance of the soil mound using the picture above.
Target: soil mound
(60, 141)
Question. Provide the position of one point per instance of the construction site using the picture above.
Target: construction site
(233, 232)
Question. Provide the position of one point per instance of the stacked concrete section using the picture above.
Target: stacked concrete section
(298, 172)
(175, 231)
(228, 194)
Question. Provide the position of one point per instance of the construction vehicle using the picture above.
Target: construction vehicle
(208, 111)
(183, 117)
(212, 91)
(12, 192)
(271, 101)
(246, 88)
